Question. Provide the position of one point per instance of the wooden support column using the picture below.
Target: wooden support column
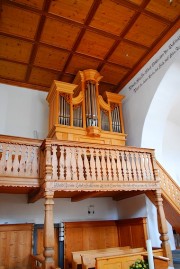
(162, 225)
(49, 231)
(48, 218)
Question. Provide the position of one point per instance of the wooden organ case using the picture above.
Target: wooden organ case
(79, 113)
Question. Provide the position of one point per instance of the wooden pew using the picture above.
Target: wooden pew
(124, 261)
(76, 255)
(89, 259)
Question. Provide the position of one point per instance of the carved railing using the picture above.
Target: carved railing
(169, 188)
(19, 158)
(82, 162)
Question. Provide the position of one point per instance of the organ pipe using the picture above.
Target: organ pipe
(64, 117)
(91, 104)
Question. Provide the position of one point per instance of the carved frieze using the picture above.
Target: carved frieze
(100, 186)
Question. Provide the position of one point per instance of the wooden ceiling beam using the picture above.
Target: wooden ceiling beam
(92, 11)
(24, 84)
(37, 38)
(35, 195)
(126, 194)
(124, 32)
(83, 195)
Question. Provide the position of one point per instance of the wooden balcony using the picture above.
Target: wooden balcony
(92, 167)
(80, 170)
(75, 166)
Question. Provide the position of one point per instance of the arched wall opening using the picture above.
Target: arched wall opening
(161, 129)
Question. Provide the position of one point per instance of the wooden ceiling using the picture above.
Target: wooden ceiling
(43, 40)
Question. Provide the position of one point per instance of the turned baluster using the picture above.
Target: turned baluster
(68, 163)
(103, 165)
(114, 173)
(98, 170)
(123, 165)
(74, 175)
(80, 164)
(86, 165)
(137, 166)
(61, 162)
(118, 166)
(109, 172)
(55, 162)
(48, 161)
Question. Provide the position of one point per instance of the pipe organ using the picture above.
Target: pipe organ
(78, 113)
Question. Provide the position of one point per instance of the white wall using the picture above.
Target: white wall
(153, 226)
(23, 111)
(15, 209)
(171, 149)
(133, 207)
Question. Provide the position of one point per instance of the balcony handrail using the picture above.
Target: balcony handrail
(93, 145)
(169, 187)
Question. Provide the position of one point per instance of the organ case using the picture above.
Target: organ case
(78, 113)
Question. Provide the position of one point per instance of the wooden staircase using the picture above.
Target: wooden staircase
(171, 198)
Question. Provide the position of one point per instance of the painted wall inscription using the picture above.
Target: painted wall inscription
(156, 64)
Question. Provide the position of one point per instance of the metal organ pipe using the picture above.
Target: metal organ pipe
(113, 120)
(91, 105)
(61, 110)
(119, 122)
(94, 104)
(64, 111)
(64, 117)
(116, 124)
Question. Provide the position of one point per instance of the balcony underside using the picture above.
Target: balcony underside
(119, 192)
(34, 192)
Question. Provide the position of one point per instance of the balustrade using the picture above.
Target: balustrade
(19, 158)
(97, 163)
